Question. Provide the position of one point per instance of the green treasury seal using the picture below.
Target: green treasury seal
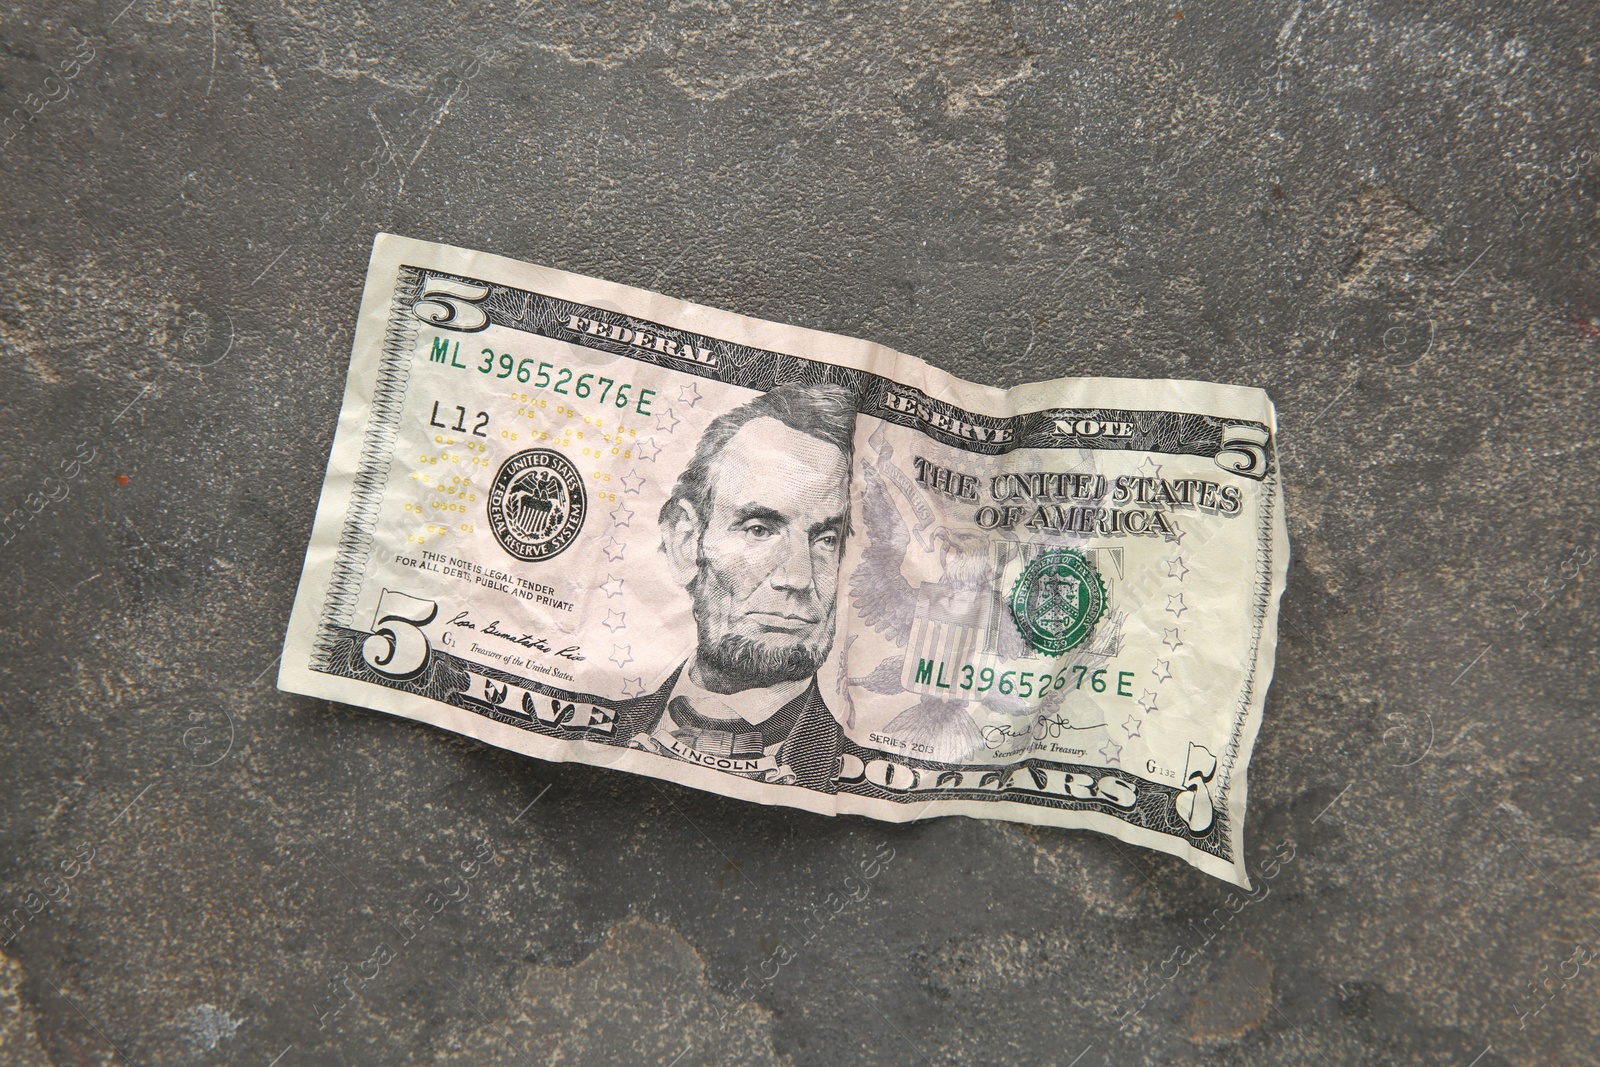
(1057, 600)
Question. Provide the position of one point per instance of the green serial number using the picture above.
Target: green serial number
(543, 375)
(1022, 683)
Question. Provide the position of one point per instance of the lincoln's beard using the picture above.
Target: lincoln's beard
(759, 666)
(748, 662)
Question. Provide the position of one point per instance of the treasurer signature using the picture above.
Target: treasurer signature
(538, 644)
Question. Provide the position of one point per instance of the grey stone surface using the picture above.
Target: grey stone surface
(1383, 213)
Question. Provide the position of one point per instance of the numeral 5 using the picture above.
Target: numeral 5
(398, 647)
(1244, 451)
(1193, 802)
(451, 304)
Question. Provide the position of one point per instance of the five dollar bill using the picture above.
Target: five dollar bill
(588, 522)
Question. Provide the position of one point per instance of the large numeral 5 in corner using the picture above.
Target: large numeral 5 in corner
(1244, 451)
(1193, 802)
(451, 305)
(398, 647)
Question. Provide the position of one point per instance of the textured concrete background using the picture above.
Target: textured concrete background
(1383, 214)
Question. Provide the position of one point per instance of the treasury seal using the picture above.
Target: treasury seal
(536, 504)
(1057, 600)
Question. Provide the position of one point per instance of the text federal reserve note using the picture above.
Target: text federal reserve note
(588, 522)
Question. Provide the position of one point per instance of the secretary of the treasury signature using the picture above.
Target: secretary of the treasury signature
(995, 737)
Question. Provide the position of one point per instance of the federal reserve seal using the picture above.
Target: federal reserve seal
(1057, 600)
(537, 504)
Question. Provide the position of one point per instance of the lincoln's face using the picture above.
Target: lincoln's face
(767, 565)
